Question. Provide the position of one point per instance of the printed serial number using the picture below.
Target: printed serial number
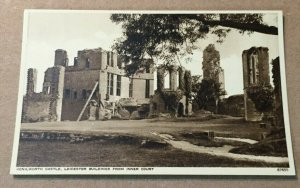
(282, 169)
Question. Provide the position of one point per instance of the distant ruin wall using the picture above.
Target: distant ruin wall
(47, 105)
(233, 106)
(31, 81)
(255, 73)
(36, 108)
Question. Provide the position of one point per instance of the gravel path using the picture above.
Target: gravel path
(219, 151)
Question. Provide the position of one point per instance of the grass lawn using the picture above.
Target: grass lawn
(120, 152)
(114, 152)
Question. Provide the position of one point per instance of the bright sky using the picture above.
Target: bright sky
(48, 31)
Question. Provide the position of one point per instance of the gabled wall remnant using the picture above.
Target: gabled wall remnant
(255, 73)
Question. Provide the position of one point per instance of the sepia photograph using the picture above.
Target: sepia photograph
(152, 93)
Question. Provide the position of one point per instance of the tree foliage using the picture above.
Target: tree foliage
(276, 76)
(207, 92)
(188, 84)
(262, 97)
(279, 119)
(170, 37)
(171, 98)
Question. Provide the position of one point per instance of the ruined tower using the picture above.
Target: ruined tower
(211, 65)
(176, 76)
(31, 81)
(61, 58)
(255, 73)
(54, 86)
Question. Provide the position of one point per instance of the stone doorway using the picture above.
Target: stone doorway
(180, 110)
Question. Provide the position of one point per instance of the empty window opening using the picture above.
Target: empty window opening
(87, 63)
(67, 93)
(118, 85)
(108, 58)
(75, 94)
(130, 87)
(110, 83)
(167, 80)
(147, 92)
(75, 61)
(83, 94)
(112, 59)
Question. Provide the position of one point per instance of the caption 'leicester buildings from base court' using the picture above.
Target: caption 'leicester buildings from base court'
(67, 88)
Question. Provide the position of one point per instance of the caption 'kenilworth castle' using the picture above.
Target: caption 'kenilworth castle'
(96, 87)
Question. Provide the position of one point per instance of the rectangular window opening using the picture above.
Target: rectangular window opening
(110, 84)
(75, 95)
(111, 89)
(67, 93)
(119, 85)
(83, 94)
(147, 92)
(87, 63)
(130, 87)
(112, 59)
(108, 59)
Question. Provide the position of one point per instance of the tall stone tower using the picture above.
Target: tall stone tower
(255, 73)
(61, 58)
(31, 81)
(211, 65)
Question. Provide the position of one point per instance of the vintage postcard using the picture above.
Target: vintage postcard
(152, 93)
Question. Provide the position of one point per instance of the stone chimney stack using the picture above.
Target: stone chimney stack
(31, 81)
(61, 58)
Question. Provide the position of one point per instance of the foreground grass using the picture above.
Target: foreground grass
(118, 153)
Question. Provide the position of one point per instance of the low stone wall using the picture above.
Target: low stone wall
(77, 137)
(37, 107)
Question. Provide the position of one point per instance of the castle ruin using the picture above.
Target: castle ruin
(96, 75)
(177, 83)
(211, 66)
(255, 73)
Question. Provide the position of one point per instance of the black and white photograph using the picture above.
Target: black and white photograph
(152, 93)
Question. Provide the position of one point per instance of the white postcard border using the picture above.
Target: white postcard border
(267, 171)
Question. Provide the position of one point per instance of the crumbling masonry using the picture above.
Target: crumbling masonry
(256, 73)
(66, 89)
(211, 66)
(176, 82)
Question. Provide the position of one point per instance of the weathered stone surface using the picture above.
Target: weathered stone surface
(124, 114)
(104, 114)
(127, 102)
(135, 115)
(67, 88)
(92, 113)
(165, 115)
(255, 73)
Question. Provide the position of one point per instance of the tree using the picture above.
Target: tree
(207, 92)
(279, 119)
(171, 99)
(170, 37)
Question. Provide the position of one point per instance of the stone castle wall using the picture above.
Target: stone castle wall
(46, 105)
(69, 87)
